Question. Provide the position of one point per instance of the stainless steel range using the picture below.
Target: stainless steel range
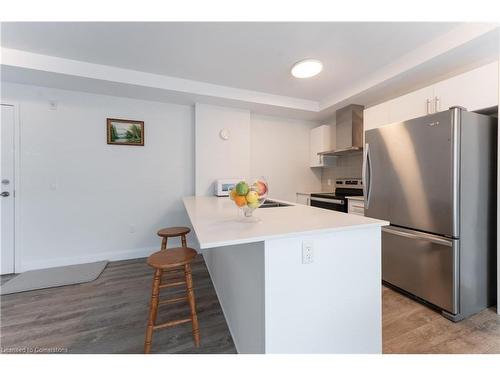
(337, 201)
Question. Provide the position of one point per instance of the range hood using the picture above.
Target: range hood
(349, 131)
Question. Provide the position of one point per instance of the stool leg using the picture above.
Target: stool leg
(183, 240)
(163, 243)
(192, 305)
(153, 309)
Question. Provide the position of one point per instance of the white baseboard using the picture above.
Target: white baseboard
(66, 261)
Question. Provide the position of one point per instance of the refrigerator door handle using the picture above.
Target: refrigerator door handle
(363, 173)
(418, 235)
(367, 176)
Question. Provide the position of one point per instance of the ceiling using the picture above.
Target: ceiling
(252, 56)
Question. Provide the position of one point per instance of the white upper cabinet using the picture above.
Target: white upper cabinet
(415, 104)
(473, 90)
(376, 116)
(477, 89)
(319, 142)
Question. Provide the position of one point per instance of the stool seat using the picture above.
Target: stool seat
(174, 257)
(173, 231)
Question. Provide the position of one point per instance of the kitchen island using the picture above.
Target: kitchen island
(301, 280)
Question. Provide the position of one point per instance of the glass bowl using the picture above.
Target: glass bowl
(249, 195)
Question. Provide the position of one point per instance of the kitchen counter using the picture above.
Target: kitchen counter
(301, 280)
(215, 222)
(313, 192)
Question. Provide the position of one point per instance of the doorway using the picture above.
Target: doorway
(7, 184)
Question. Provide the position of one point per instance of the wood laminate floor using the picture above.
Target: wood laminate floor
(410, 327)
(109, 316)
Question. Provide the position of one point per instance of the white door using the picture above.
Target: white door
(7, 190)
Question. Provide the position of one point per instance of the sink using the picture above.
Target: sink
(268, 203)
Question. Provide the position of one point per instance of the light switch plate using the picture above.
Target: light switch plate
(307, 252)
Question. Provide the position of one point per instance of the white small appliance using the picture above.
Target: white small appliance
(222, 186)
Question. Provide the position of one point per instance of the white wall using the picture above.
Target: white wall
(217, 158)
(82, 200)
(273, 147)
(280, 152)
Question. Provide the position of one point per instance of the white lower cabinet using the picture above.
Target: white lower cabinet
(304, 198)
(356, 207)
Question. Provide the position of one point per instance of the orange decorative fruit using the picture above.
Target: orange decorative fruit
(232, 194)
(240, 200)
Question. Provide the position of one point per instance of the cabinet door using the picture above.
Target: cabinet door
(303, 199)
(356, 207)
(476, 89)
(376, 116)
(415, 104)
(319, 142)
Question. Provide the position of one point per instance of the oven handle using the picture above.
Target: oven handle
(326, 200)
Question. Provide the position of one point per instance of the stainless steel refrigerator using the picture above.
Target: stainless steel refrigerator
(434, 179)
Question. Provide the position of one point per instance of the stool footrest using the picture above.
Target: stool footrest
(169, 285)
(172, 323)
(173, 300)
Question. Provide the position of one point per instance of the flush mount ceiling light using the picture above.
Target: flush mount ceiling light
(306, 68)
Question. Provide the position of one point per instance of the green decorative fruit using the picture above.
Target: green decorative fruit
(241, 188)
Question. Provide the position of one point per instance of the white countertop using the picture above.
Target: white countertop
(217, 221)
(356, 198)
(313, 192)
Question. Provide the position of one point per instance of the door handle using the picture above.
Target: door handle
(367, 176)
(436, 104)
(428, 107)
(418, 236)
(5, 194)
(363, 172)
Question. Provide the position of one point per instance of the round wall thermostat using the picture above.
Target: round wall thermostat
(224, 134)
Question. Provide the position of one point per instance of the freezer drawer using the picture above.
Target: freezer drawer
(422, 264)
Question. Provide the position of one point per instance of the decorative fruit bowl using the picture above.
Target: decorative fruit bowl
(249, 196)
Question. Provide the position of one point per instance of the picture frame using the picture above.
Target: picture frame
(125, 132)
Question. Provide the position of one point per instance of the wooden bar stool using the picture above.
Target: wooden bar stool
(165, 233)
(163, 261)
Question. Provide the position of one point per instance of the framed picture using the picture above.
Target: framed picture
(125, 132)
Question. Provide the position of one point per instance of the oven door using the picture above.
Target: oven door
(329, 203)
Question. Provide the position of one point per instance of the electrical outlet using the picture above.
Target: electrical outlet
(329, 181)
(131, 228)
(307, 252)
